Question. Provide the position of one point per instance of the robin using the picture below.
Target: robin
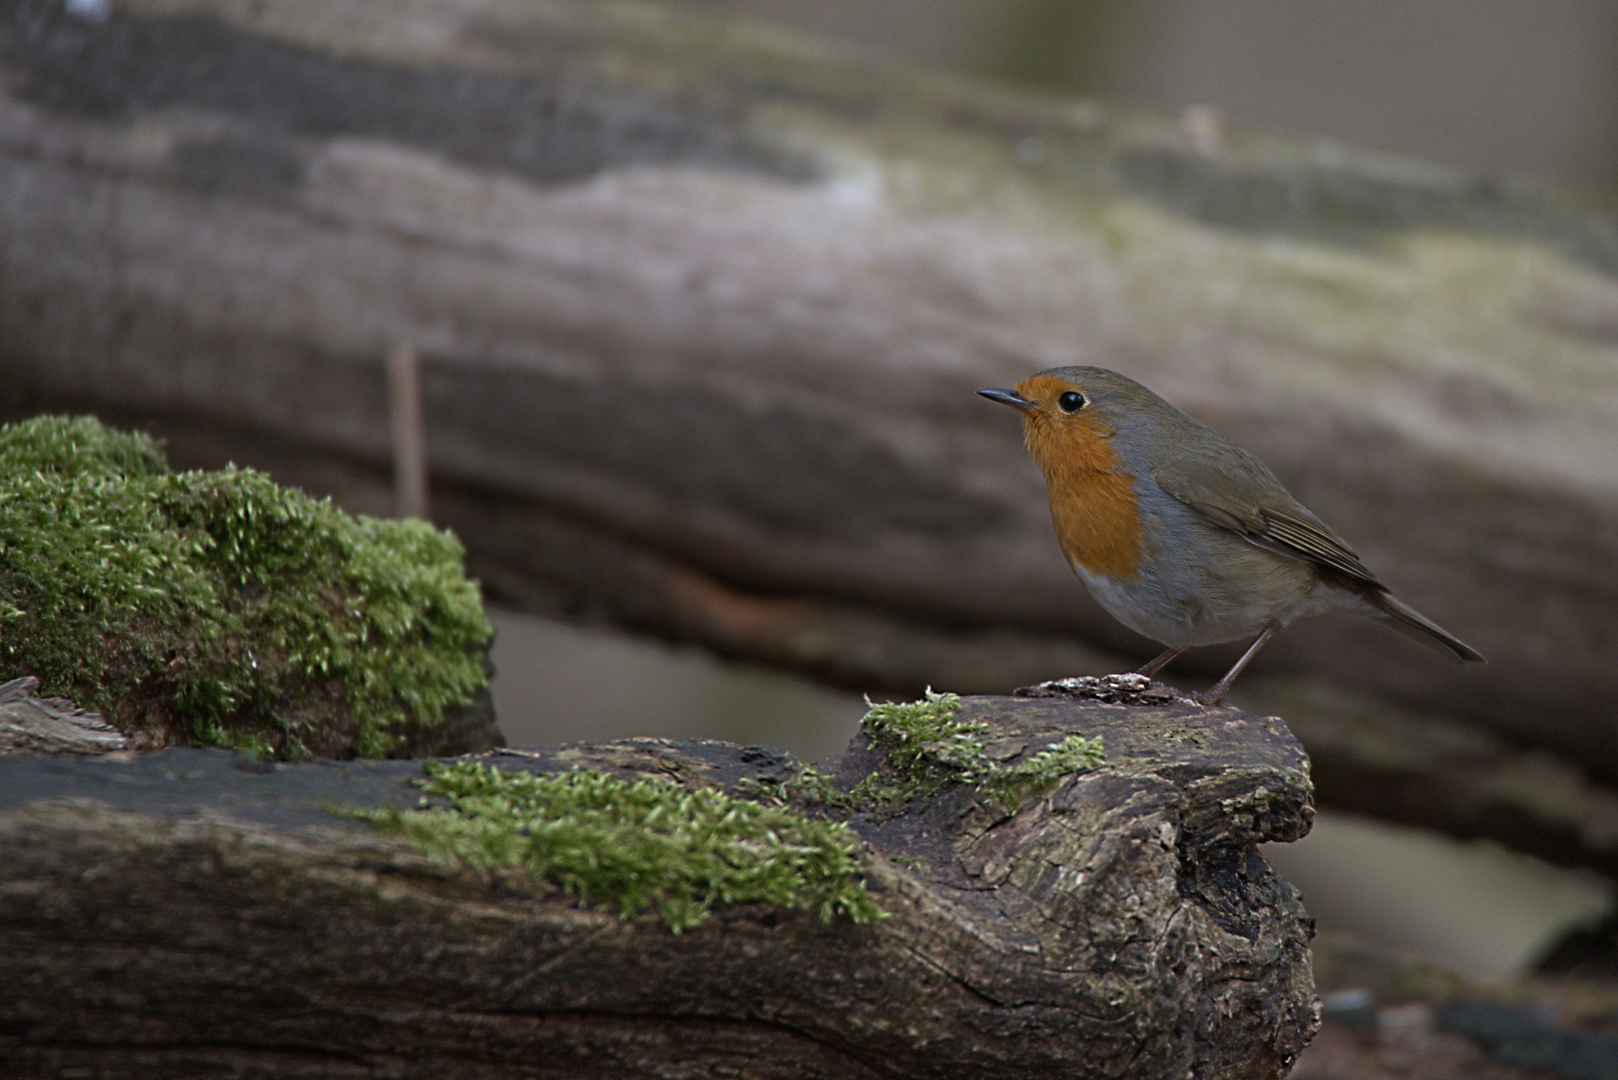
(1179, 533)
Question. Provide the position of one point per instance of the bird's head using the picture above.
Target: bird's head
(1068, 413)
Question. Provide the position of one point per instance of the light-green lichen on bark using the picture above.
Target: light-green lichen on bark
(219, 608)
(633, 845)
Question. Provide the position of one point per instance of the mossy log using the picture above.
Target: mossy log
(186, 912)
(701, 312)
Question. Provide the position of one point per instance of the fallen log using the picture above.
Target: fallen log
(187, 911)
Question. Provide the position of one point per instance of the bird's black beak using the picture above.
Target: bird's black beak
(1009, 397)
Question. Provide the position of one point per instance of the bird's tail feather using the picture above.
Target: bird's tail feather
(1411, 623)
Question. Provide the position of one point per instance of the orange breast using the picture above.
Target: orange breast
(1092, 499)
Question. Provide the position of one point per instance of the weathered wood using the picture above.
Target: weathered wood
(711, 307)
(36, 725)
(185, 911)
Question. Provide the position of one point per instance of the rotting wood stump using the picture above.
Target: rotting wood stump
(191, 913)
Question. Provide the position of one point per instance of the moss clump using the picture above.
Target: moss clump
(633, 845)
(908, 726)
(924, 742)
(928, 750)
(217, 608)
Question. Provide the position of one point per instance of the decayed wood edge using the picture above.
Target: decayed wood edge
(219, 892)
(35, 725)
(1572, 312)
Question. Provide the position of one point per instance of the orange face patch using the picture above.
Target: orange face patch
(1093, 503)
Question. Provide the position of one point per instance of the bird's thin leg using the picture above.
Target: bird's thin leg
(1216, 693)
(1152, 667)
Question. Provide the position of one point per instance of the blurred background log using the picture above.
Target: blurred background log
(700, 313)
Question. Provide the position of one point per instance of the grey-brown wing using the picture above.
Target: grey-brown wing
(1307, 534)
(1264, 513)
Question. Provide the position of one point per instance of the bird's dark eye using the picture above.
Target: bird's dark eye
(1071, 401)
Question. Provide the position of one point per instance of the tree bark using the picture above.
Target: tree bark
(700, 314)
(187, 911)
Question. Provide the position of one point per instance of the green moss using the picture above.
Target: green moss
(1073, 754)
(928, 750)
(221, 609)
(921, 736)
(808, 786)
(633, 845)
